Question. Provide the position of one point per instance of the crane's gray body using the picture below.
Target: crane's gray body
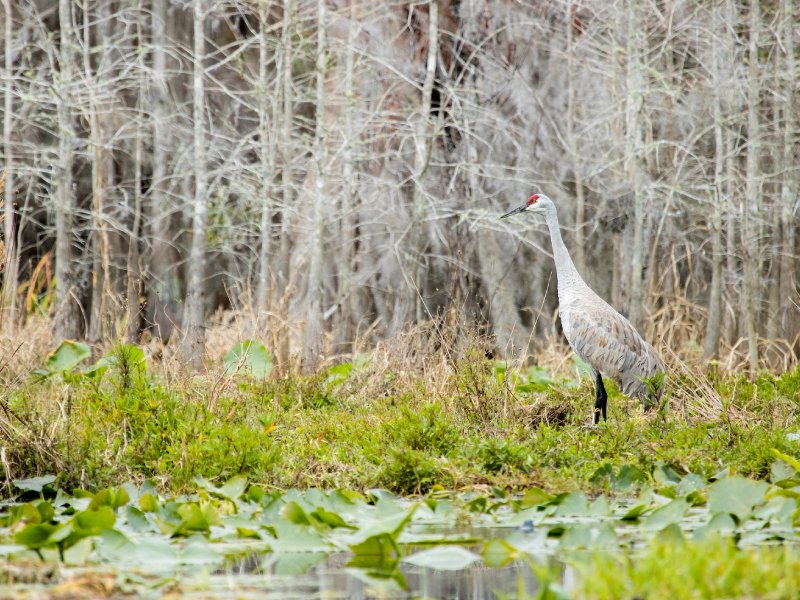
(597, 333)
(608, 342)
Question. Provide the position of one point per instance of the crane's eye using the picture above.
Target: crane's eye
(533, 199)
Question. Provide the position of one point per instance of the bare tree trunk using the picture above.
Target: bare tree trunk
(345, 325)
(713, 325)
(193, 343)
(634, 151)
(68, 309)
(423, 143)
(281, 291)
(577, 166)
(8, 252)
(751, 211)
(267, 166)
(163, 288)
(729, 318)
(100, 319)
(286, 140)
(313, 331)
(789, 307)
(133, 275)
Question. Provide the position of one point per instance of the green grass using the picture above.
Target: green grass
(702, 570)
(409, 428)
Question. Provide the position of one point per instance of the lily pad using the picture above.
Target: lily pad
(736, 495)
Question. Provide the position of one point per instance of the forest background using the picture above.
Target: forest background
(331, 172)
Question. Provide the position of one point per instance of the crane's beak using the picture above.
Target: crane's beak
(515, 211)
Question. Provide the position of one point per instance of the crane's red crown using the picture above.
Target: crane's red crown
(533, 199)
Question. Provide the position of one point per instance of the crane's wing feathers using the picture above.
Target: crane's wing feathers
(611, 345)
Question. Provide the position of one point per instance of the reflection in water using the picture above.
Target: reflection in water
(331, 578)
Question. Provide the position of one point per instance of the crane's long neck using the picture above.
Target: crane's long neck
(568, 277)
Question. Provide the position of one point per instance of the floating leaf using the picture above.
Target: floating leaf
(38, 535)
(331, 519)
(574, 504)
(588, 535)
(293, 563)
(113, 497)
(148, 502)
(628, 477)
(249, 356)
(498, 553)
(789, 460)
(298, 538)
(231, 490)
(198, 517)
(670, 513)
(92, 522)
(736, 495)
(443, 558)
(34, 484)
(535, 496)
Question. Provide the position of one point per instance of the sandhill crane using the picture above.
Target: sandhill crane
(597, 333)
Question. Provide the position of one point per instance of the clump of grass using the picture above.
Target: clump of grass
(408, 419)
(497, 455)
(408, 471)
(709, 569)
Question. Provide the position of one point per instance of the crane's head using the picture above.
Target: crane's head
(537, 203)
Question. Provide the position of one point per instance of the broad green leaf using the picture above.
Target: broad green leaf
(736, 495)
(635, 512)
(197, 517)
(670, 513)
(628, 477)
(588, 536)
(600, 507)
(67, 356)
(535, 496)
(498, 553)
(672, 534)
(25, 513)
(331, 519)
(37, 535)
(249, 356)
(294, 513)
(690, 483)
(789, 460)
(79, 552)
(137, 520)
(443, 558)
(720, 524)
(231, 490)
(298, 538)
(391, 525)
(781, 471)
(34, 484)
(113, 497)
(92, 522)
(574, 505)
(375, 551)
(292, 563)
(338, 374)
(148, 502)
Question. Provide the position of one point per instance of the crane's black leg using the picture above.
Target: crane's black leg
(601, 399)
